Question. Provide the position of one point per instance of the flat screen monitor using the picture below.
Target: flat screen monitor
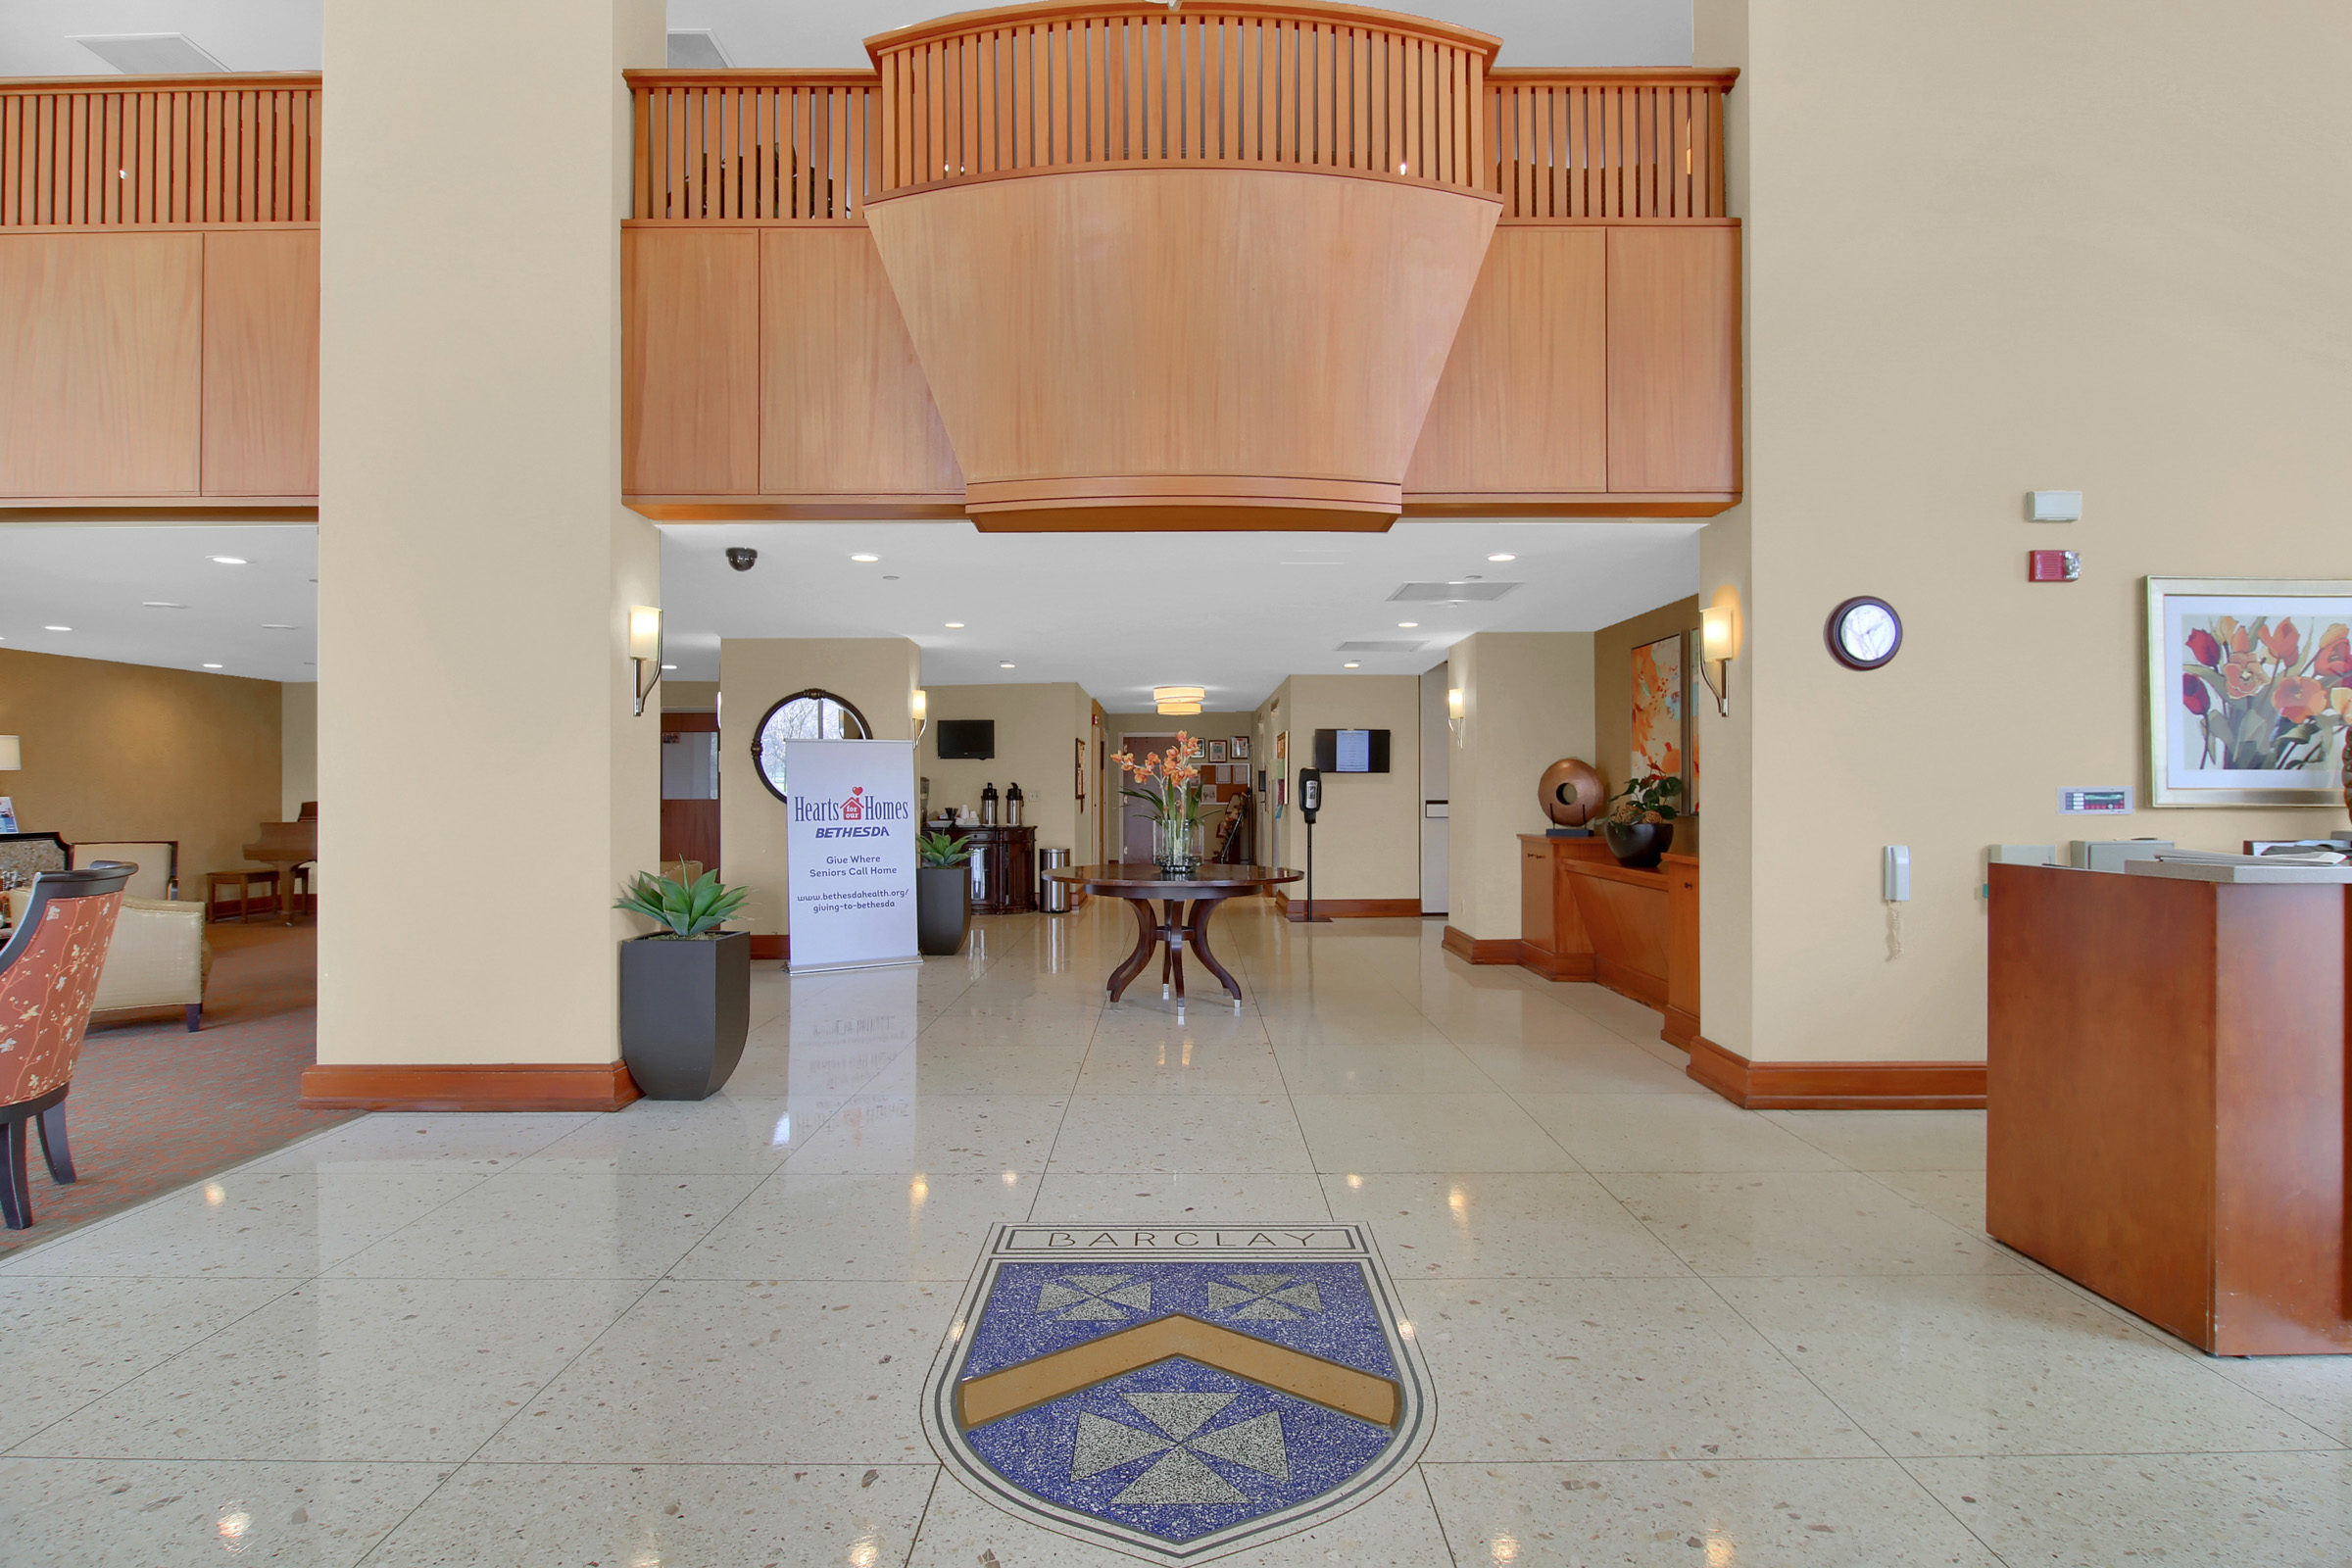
(1352, 751)
(967, 738)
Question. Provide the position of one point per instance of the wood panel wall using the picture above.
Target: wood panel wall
(690, 362)
(261, 362)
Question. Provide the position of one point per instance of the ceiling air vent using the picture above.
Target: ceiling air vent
(152, 54)
(1451, 593)
(697, 49)
(1391, 647)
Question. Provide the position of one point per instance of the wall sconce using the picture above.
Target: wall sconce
(1455, 718)
(1721, 630)
(645, 648)
(918, 708)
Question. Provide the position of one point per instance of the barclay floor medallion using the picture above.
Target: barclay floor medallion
(1179, 1392)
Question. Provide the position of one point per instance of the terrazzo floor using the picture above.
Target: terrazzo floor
(1661, 1330)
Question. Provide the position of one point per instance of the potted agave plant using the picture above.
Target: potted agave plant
(943, 894)
(1640, 827)
(1169, 785)
(685, 987)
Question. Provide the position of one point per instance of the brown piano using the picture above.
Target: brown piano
(282, 846)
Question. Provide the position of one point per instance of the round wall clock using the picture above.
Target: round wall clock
(1864, 633)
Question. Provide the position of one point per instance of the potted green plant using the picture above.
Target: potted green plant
(1640, 827)
(685, 987)
(943, 894)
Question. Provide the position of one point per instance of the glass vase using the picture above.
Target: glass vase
(1175, 845)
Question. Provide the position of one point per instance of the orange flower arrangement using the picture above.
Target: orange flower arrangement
(1169, 785)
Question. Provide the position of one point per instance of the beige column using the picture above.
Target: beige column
(1527, 701)
(484, 788)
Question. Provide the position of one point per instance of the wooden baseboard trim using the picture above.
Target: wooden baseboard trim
(1294, 909)
(1836, 1085)
(467, 1086)
(1681, 1029)
(1480, 950)
(771, 947)
(1554, 965)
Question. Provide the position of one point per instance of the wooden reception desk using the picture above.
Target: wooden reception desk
(1583, 916)
(2167, 1099)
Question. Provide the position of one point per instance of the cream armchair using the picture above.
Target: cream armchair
(159, 957)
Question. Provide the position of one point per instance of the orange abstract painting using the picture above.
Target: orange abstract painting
(1657, 712)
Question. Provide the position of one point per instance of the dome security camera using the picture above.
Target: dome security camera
(742, 558)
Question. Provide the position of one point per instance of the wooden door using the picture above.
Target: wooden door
(690, 788)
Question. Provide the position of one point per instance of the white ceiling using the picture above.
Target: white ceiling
(1119, 613)
(96, 581)
(1116, 614)
(35, 35)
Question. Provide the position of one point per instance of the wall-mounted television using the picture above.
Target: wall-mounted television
(967, 738)
(1352, 751)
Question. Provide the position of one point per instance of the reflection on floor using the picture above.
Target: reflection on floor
(1659, 1330)
(154, 1106)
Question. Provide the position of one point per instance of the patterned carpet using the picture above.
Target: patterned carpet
(154, 1107)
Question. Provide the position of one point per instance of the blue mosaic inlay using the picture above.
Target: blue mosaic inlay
(1178, 1450)
(1323, 1309)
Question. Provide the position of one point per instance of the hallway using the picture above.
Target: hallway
(1659, 1330)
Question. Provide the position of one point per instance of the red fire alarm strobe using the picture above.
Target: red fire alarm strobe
(2052, 565)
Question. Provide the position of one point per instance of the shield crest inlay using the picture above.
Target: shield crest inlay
(1179, 1392)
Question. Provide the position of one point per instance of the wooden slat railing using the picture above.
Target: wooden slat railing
(126, 152)
(1060, 86)
(755, 146)
(1610, 145)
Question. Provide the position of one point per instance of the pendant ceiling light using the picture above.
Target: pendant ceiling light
(1179, 694)
(1179, 708)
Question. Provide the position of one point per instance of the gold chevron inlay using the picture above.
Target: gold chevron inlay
(982, 1399)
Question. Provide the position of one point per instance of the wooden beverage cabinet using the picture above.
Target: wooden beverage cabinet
(1004, 868)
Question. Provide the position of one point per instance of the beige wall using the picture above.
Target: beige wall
(1039, 727)
(2129, 289)
(689, 696)
(1369, 839)
(476, 566)
(298, 743)
(134, 751)
(877, 675)
(1527, 701)
(1612, 696)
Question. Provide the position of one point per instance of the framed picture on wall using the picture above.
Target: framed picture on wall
(1216, 751)
(2249, 690)
(1079, 771)
(1240, 747)
(1281, 750)
(1657, 693)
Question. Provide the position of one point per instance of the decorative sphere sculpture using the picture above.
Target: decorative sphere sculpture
(1572, 793)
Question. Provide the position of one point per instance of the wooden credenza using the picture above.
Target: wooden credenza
(1583, 916)
(1004, 868)
(2166, 1100)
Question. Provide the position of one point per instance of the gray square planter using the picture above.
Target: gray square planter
(685, 1011)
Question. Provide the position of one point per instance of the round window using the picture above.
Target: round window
(809, 715)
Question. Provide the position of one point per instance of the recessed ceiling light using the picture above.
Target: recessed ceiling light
(864, 557)
(57, 628)
(1351, 664)
(1006, 664)
(159, 604)
(890, 576)
(1505, 555)
(226, 561)
(1408, 626)
(669, 666)
(212, 667)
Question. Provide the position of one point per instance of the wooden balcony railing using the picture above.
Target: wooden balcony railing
(147, 151)
(1036, 87)
(1610, 145)
(756, 146)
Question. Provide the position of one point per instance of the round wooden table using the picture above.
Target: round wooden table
(1177, 928)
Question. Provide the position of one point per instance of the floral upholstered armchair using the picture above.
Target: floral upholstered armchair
(48, 978)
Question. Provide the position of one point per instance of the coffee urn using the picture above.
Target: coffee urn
(1013, 805)
(988, 805)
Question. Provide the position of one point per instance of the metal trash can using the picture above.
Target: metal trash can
(1053, 898)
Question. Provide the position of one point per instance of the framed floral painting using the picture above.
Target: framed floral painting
(2249, 690)
(1657, 709)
